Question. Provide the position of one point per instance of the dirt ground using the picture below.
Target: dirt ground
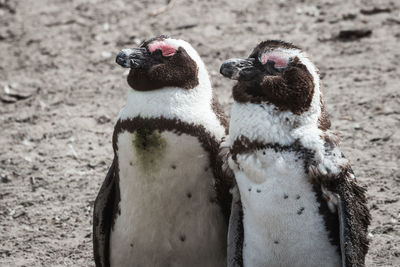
(60, 92)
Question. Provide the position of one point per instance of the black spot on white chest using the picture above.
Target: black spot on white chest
(280, 209)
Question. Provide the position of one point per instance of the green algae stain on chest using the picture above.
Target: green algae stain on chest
(149, 147)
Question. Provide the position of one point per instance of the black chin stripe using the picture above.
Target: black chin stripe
(243, 145)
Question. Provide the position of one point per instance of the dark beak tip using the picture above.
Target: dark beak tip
(225, 71)
(132, 58)
(124, 58)
(237, 69)
(228, 69)
(122, 61)
(119, 60)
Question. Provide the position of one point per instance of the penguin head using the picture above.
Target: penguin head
(276, 73)
(161, 62)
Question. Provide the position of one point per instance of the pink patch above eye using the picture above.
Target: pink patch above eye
(280, 59)
(167, 50)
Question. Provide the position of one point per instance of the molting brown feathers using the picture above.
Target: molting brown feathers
(293, 90)
(290, 87)
(291, 118)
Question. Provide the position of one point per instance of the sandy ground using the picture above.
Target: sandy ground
(60, 91)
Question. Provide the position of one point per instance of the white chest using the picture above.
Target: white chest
(169, 216)
(282, 225)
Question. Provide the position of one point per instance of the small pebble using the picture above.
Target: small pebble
(182, 237)
(106, 54)
(4, 179)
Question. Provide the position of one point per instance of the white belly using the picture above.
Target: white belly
(169, 216)
(282, 225)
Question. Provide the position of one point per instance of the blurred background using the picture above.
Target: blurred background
(60, 92)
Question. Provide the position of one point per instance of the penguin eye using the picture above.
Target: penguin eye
(166, 49)
(275, 62)
(157, 53)
(280, 59)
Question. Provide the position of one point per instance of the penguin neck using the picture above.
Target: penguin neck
(264, 123)
(192, 106)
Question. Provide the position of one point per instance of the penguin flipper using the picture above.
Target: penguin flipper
(343, 230)
(235, 232)
(350, 202)
(103, 216)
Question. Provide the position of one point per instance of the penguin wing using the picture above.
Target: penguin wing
(349, 213)
(235, 231)
(103, 215)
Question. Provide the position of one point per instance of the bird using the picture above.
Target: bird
(165, 200)
(296, 200)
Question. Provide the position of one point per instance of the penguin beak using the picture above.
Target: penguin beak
(133, 58)
(239, 69)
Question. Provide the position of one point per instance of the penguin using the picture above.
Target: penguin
(165, 200)
(296, 201)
